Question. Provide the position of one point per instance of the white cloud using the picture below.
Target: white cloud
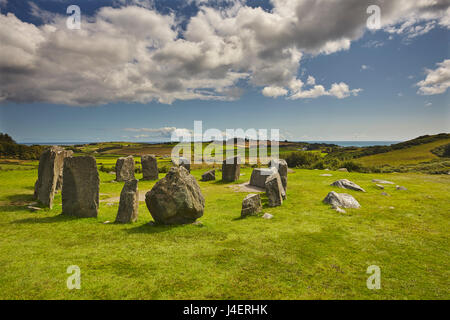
(364, 67)
(437, 81)
(311, 81)
(274, 92)
(137, 54)
(428, 104)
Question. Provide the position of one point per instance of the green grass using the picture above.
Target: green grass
(411, 155)
(308, 251)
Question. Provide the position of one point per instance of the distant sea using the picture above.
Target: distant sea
(339, 143)
(357, 143)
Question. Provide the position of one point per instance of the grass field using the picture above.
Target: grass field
(307, 251)
(412, 155)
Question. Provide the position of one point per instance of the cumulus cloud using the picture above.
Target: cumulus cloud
(274, 92)
(437, 81)
(135, 53)
(165, 132)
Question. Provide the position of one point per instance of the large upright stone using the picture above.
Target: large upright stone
(149, 167)
(251, 205)
(129, 202)
(176, 198)
(125, 168)
(260, 175)
(231, 169)
(282, 167)
(50, 173)
(274, 190)
(81, 184)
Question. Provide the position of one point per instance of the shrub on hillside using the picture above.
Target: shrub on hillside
(302, 159)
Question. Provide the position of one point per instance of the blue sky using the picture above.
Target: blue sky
(395, 78)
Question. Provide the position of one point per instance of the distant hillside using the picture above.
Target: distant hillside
(10, 149)
(409, 154)
(355, 152)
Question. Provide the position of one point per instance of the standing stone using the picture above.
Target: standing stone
(125, 168)
(251, 205)
(129, 202)
(260, 175)
(81, 184)
(149, 167)
(209, 175)
(231, 169)
(274, 190)
(343, 200)
(176, 198)
(182, 162)
(50, 174)
(282, 167)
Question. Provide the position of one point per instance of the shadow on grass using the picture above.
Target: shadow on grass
(54, 219)
(152, 228)
(20, 198)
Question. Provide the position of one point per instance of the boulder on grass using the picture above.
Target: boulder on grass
(231, 169)
(251, 205)
(342, 170)
(274, 190)
(282, 167)
(347, 184)
(125, 168)
(50, 173)
(260, 175)
(209, 175)
(149, 167)
(129, 202)
(341, 200)
(81, 184)
(176, 198)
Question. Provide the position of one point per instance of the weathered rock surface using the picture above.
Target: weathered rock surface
(209, 175)
(80, 190)
(129, 202)
(50, 173)
(260, 175)
(182, 162)
(175, 199)
(149, 167)
(342, 170)
(251, 205)
(326, 175)
(382, 181)
(274, 190)
(401, 188)
(347, 184)
(125, 168)
(282, 167)
(379, 186)
(231, 169)
(341, 200)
